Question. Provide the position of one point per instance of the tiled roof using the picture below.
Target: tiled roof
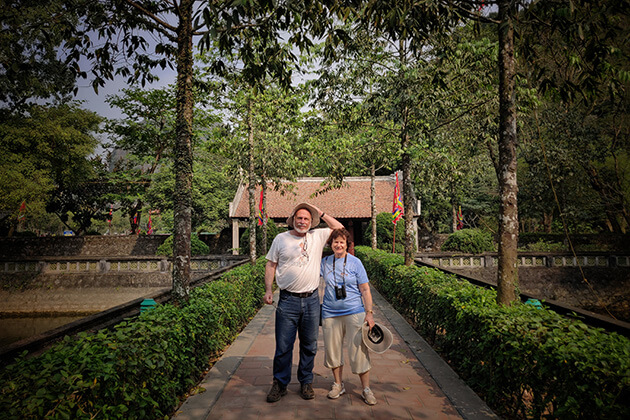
(351, 201)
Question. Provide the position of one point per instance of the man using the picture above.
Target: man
(294, 260)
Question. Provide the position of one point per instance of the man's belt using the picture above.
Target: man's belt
(299, 295)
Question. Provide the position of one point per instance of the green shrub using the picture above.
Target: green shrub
(141, 367)
(385, 233)
(470, 241)
(272, 231)
(197, 246)
(567, 369)
(25, 234)
(542, 246)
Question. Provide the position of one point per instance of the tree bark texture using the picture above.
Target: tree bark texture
(507, 280)
(406, 190)
(373, 202)
(611, 197)
(252, 184)
(264, 219)
(136, 211)
(183, 155)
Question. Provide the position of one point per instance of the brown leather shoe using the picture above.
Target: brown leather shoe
(276, 392)
(306, 392)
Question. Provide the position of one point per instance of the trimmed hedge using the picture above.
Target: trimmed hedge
(525, 362)
(470, 241)
(141, 367)
(197, 246)
(385, 233)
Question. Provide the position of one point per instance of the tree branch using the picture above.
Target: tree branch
(158, 24)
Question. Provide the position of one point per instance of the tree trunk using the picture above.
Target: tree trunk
(137, 210)
(183, 155)
(264, 218)
(547, 221)
(608, 197)
(252, 184)
(373, 202)
(454, 216)
(507, 280)
(408, 204)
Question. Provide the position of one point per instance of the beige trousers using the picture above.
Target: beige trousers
(335, 331)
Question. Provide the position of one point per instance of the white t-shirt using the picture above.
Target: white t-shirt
(299, 259)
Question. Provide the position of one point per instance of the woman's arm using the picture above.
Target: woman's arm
(366, 294)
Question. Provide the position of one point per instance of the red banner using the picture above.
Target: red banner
(260, 208)
(460, 219)
(397, 210)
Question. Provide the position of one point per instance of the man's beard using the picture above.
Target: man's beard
(301, 230)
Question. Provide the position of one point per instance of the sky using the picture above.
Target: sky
(96, 102)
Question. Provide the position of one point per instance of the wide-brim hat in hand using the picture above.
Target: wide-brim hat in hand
(311, 209)
(378, 339)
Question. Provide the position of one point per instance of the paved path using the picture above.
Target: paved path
(410, 381)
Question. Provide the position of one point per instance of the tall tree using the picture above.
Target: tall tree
(507, 282)
(46, 149)
(351, 141)
(260, 138)
(579, 63)
(80, 202)
(147, 136)
(31, 70)
(111, 34)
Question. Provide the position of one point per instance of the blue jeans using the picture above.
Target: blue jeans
(296, 316)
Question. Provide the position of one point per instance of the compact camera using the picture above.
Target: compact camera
(340, 292)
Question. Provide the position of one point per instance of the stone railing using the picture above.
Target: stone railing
(529, 260)
(129, 264)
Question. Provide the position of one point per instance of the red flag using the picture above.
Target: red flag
(460, 219)
(397, 210)
(22, 211)
(260, 208)
(135, 223)
(149, 225)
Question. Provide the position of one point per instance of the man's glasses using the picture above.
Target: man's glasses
(305, 249)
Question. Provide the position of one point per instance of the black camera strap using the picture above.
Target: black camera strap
(343, 272)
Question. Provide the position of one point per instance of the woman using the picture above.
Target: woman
(347, 305)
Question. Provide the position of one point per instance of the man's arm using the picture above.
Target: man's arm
(328, 219)
(331, 221)
(270, 274)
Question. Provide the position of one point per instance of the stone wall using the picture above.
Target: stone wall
(432, 242)
(66, 246)
(604, 288)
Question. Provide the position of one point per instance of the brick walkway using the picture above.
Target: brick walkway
(409, 381)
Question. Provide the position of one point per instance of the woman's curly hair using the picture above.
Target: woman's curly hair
(337, 233)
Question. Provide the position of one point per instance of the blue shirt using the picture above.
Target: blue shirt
(354, 275)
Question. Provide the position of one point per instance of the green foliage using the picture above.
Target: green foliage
(470, 241)
(197, 246)
(46, 149)
(272, 231)
(542, 246)
(385, 233)
(212, 191)
(144, 175)
(32, 69)
(568, 369)
(140, 368)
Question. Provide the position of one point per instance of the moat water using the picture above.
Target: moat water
(16, 329)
